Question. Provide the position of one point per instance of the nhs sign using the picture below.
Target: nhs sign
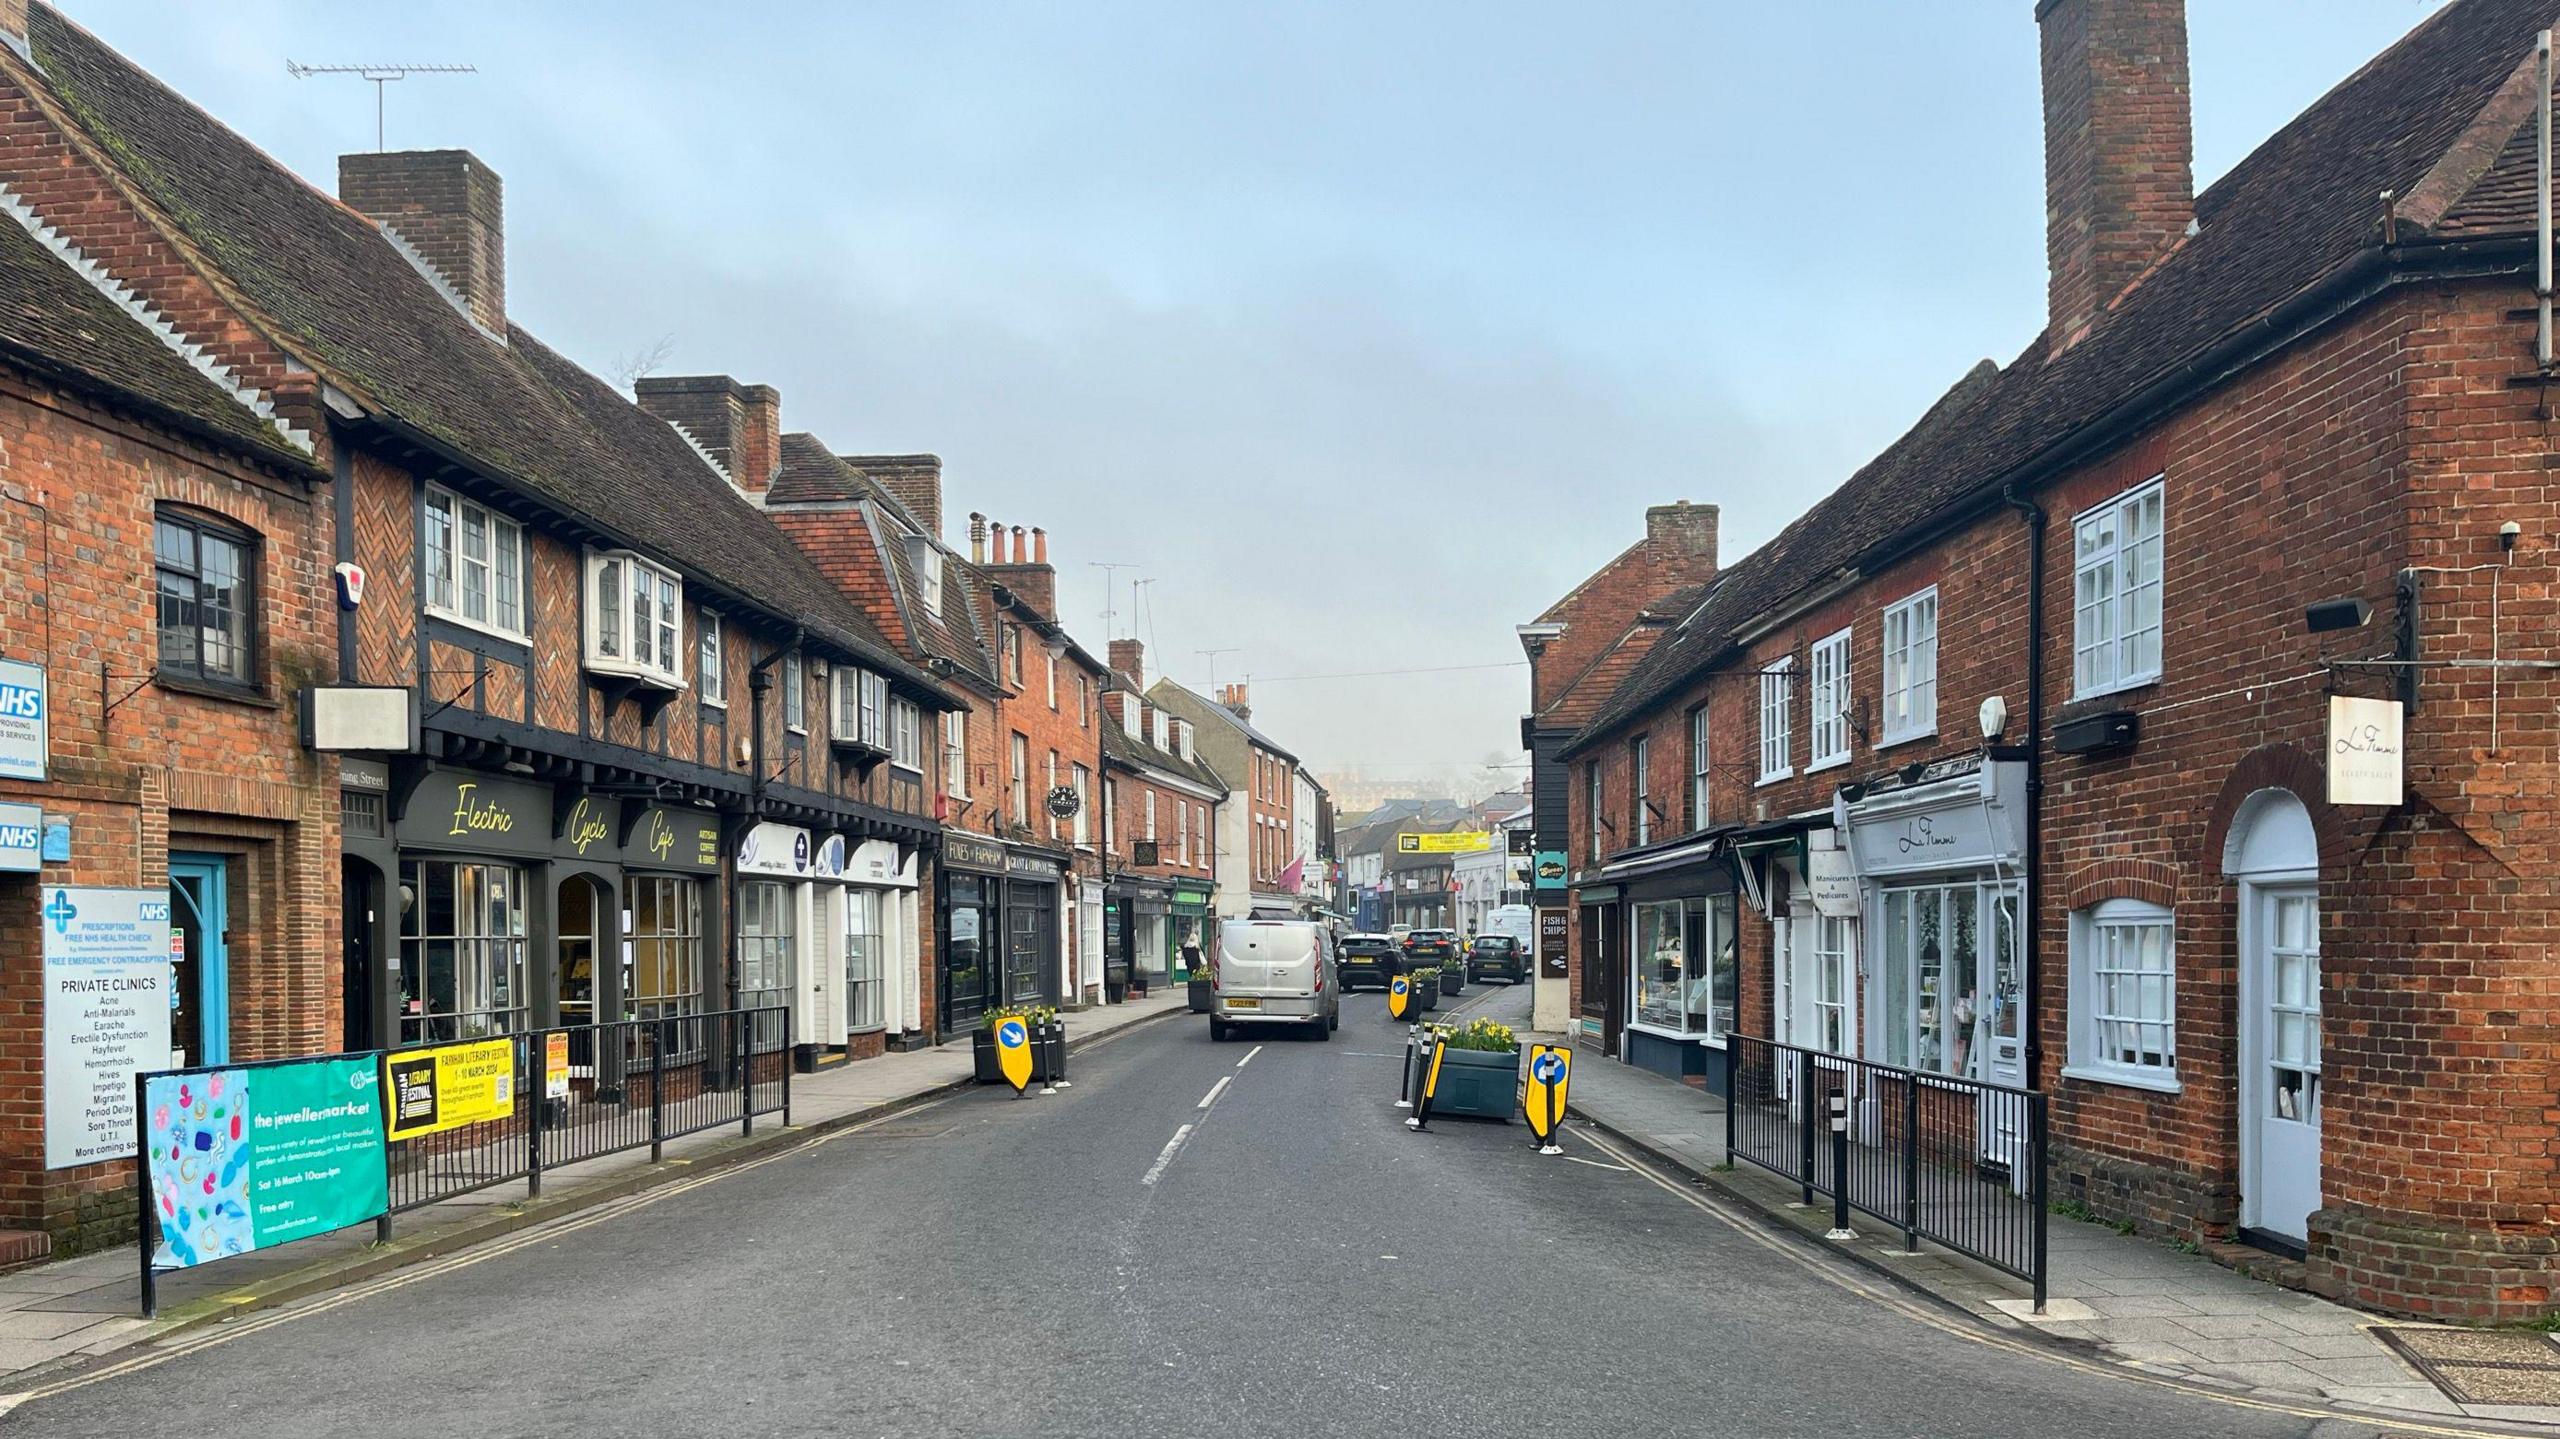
(21, 838)
(23, 713)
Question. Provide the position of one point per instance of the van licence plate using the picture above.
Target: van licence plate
(1240, 1002)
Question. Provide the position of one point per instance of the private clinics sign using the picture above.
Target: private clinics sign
(106, 1015)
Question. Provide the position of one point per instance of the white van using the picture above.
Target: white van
(1275, 971)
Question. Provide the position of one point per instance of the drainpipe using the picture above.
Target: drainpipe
(759, 680)
(2031, 928)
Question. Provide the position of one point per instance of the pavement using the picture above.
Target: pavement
(78, 1309)
(1199, 1238)
(2140, 1302)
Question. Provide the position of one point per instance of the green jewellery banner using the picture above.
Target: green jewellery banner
(244, 1159)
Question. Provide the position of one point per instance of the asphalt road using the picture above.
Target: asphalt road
(1300, 1264)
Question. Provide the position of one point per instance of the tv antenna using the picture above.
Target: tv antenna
(1108, 578)
(381, 76)
(1212, 657)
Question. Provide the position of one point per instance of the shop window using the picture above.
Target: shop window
(710, 664)
(1911, 667)
(665, 977)
(2115, 624)
(1835, 957)
(768, 944)
(2124, 994)
(462, 950)
(1685, 963)
(474, 564)
(635, 618)
(906, 735)
(1952, 981)
(207, 599)
(1827, 728)
(966, 970)
(865, 945)
(1776, 690)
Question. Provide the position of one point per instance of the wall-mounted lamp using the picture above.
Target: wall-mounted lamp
(2329, 615)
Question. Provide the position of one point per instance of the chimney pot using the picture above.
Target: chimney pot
(1039, 545)
(977, 538)
(444, 204)
(2119, 150)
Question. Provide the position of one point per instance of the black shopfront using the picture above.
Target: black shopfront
(997, 930)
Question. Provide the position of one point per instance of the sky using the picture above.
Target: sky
(1359, 332)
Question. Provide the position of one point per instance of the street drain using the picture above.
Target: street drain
(907, 1131)
(2474, 1366)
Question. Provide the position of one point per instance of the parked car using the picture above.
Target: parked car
(1370, 959)
(1276, 971)
(1429, 946)
(1497, 956)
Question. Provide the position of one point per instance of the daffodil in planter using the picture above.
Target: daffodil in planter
(1479, 1070)
(1426, 990)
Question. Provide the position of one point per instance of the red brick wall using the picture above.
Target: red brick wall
(167, 768)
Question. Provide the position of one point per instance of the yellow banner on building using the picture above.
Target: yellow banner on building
(1455, 842)
(447, 1086)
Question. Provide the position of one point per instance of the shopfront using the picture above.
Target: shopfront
(970, 923)
(1140, 916)
(1811, 897)
(1939, 868)
(780, 914)
(671, 919)
(1034, 961)
(477, 950)
(881, 947)
(1190, 926)
(1680, 909)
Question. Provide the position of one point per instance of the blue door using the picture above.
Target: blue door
(200, 973)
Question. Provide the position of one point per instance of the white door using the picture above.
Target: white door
(2280, 1058)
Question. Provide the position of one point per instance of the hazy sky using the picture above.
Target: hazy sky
(1362, 330)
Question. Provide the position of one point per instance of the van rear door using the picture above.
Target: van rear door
(1267, 957)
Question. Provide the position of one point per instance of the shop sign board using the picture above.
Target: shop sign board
(1830, 881)
(106, 1015)
(960, 851)
(770, 848)
(827, 860)
(1033, 866)
(1455, 842)
(458, 810)
(1553, 942)
(446, 1086)
(1551, 869)
(586, 828)
(1966, 821)
(21, 838)
(876, 862)
(2364, 751)
(674, 839)
(25, 721)
(249, 1158)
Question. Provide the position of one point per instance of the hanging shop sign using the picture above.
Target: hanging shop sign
(770, 848)
(1522, 841)
(25, 721)
(106, 1015)
(960, 851)
(674, 839)
(243, 1159)
(458, 810)
(1830, 880)
(1455, 842)
(2364, 751)
(447, 1086)
(21, 838)
(1551, 870)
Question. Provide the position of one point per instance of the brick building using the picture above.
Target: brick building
(1254, 840)
(2010, 759)
(1158, 798)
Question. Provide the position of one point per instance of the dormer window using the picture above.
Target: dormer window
(635, 619)
(927, 567)
(1158, 739)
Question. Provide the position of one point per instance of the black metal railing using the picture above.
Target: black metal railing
(1958, 1162)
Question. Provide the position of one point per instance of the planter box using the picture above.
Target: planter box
(982, 1056)
(1426, 996)
(1048, 1054)
(1199, 996)
(1452, 980)
(1477, 1084)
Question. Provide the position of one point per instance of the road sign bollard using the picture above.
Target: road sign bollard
(1838, 1100)
(1404, 1073)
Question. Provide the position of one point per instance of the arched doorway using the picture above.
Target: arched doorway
(2274, 852)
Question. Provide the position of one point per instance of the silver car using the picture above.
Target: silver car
(1275, 971)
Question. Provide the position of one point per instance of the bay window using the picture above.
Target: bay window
(473, 564)
(635, 621)
(1911, 667)
(861, 710)
(2115, 626)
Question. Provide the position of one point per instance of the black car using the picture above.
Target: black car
(1497, 956)
(1429, 948)
(1369, 959)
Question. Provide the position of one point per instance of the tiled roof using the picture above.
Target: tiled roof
(342, 297)
(882, 578)
(1199, 709)
(55, 321)
(2296, 213)
(1119, 744)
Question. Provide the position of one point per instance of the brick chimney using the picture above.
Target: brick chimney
(739, 426)
(1233, 698)
(1129, 662)
(2119, 150)
(914, 481)
(444, 204)
(1680, 543)
(13, 27)
(1021, 564)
